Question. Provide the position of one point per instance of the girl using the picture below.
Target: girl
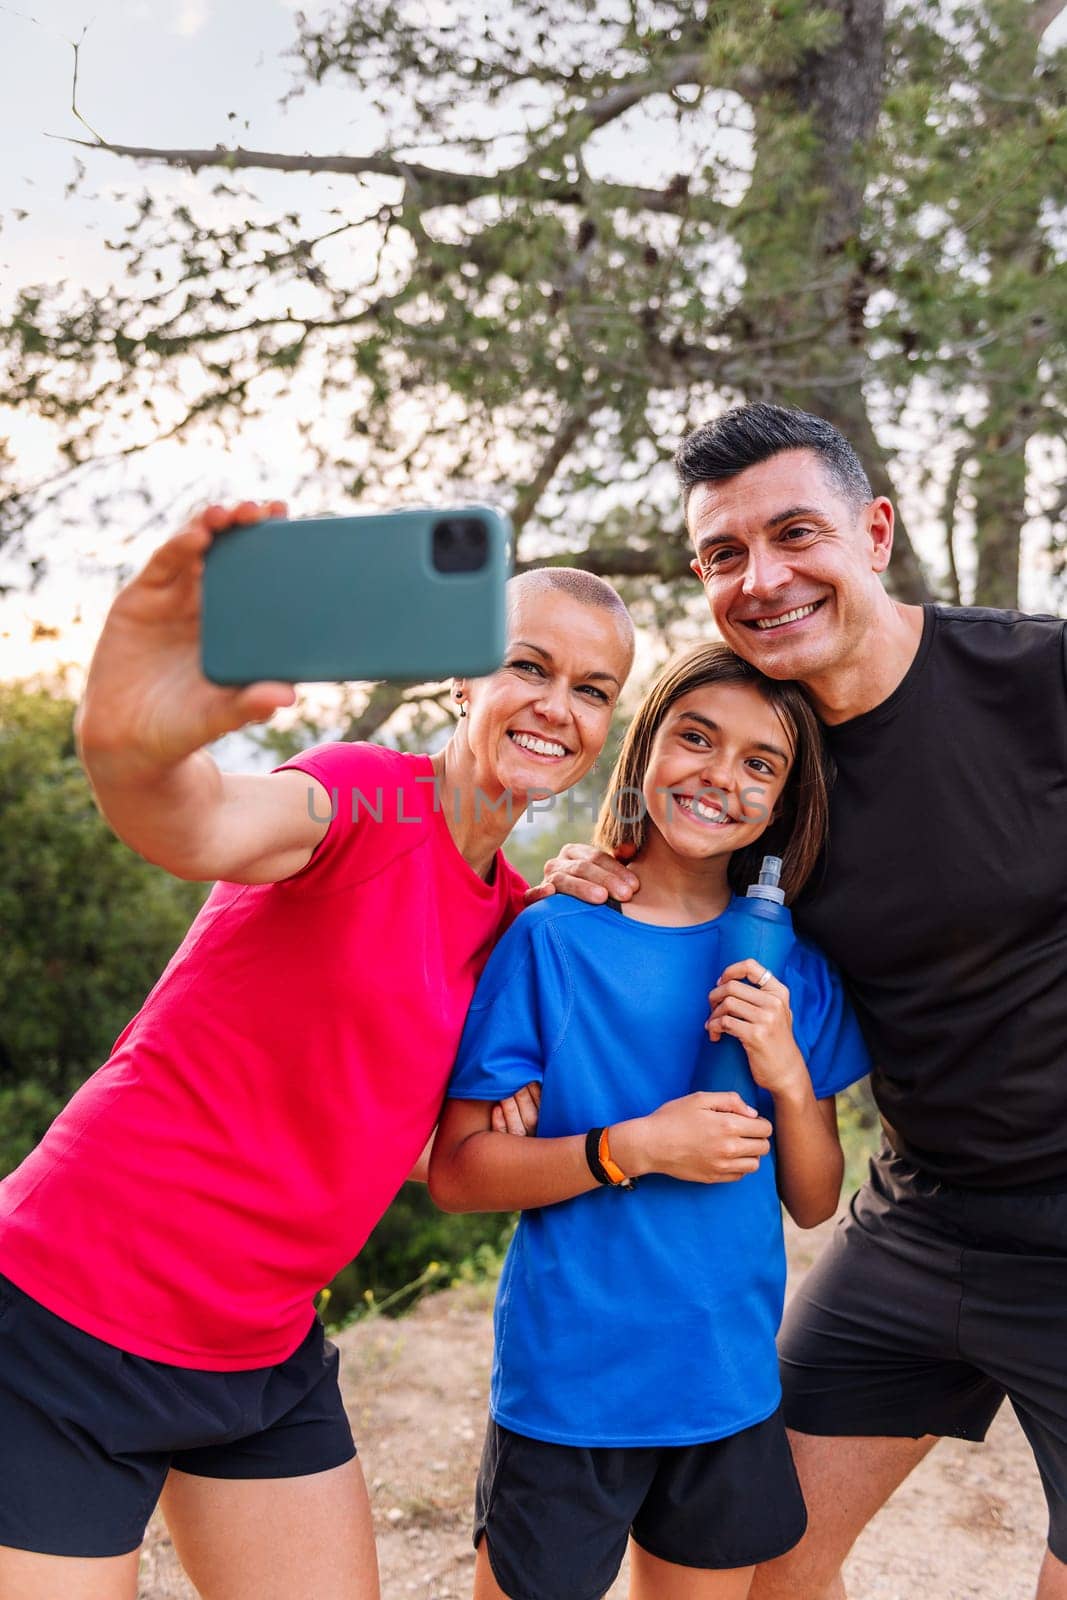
(635, 1386)
(161, 1248)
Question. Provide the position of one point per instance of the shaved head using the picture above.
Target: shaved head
(585, 587)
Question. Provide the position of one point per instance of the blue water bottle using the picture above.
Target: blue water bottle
(759, 927)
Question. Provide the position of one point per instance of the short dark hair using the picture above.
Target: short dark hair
(797, 833)
(747, 435)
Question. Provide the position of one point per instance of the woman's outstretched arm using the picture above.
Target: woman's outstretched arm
(148, 712)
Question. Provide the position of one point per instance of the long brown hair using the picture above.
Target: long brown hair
(798, 831)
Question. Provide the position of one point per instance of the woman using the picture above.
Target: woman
(160, 1249)
(635, 1385)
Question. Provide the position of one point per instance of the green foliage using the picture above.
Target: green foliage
(414, 1249)
(530, 846)
(861, 1132)
(85, 925)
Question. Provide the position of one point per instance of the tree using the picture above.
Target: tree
(86, 926)
(979, 289)
(865, 219)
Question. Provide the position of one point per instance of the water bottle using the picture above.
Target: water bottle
(759, 927)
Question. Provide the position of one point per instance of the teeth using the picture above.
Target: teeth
(540, 747)
(788, 616)
(703, 810)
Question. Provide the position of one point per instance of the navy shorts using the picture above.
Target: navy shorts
(929, 1305)
(88, 1433)
(556, 1517)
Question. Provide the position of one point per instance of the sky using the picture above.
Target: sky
(165, 73)
(158, 72)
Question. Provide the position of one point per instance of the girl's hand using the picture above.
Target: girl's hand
(761, 1020)
(705, 1137)
(147, 702)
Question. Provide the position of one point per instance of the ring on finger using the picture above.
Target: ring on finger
(765, 978)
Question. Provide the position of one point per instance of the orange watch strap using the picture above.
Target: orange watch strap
(614, 1172)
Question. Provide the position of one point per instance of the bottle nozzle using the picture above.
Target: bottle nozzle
(771, 871)
(767, 886)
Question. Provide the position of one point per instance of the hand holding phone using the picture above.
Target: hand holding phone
(147, 703)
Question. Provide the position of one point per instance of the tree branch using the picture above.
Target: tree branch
(952, 491)
(438, 186)
(160, 343)
(1043, 15)
(384, 699)
(601, 109)
(461, 186)
(76, 47)
(663, 563)
(567, 435)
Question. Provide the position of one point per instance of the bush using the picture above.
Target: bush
(413, 1249)
(861, 1132)
(86, 926)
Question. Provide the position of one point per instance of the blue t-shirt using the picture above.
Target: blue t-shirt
(644, 1317)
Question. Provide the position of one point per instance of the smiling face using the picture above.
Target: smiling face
(541, 720)
(790, 565)
(717, 767)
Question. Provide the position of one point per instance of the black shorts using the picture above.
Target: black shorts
(88, 1433)
(928, 1306)
(556, 1517)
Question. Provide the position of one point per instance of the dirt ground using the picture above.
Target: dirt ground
(969, 1525)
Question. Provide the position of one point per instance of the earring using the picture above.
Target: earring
(459, 698)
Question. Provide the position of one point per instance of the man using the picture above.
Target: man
(943, 896)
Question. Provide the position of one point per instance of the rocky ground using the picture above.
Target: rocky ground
(969, 1525)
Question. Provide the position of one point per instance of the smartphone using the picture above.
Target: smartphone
(412, 596)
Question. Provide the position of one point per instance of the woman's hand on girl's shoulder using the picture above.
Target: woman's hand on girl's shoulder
(761, 1020)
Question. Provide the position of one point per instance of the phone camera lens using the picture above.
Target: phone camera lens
(460, 544)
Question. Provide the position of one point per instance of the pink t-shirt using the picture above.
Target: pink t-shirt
(263, 1107)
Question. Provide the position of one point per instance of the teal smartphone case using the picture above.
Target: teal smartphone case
(331, 599)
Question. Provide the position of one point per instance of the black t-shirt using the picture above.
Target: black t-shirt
(943, 898)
